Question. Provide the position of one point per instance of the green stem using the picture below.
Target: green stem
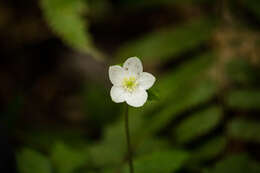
(130, 160)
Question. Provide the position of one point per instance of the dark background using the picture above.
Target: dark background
(56, 114)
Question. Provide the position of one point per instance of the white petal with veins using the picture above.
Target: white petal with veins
(137, 98)
(118, 94)
(133, 65)
(116, 74)
(146, 80)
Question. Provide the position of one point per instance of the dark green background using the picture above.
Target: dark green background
(56, 114)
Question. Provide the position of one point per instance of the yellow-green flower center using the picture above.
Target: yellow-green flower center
(129, 83)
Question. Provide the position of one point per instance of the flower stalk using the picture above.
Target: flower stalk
(129, 156)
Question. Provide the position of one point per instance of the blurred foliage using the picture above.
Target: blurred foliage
(30, 161)
(150, 162)
(236, 163)
(244, 99)
(201, 123)
(246, 130)
(168, 43)
(209, 150)
(65, 19)
(66, 159)
(202, 112)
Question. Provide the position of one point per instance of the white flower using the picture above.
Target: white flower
(130, 82)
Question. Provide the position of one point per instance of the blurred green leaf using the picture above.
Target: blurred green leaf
(166, 43)
(107, 154)
(114, 139)
(186, 100)
(173, 81)
(239, 163)
(244, 99)
(162, 161)
(209, 150)
(110, 150)
(242, 72)
(66, 159)
(152, 95)
(243, 129)
(198, 124)
(64, 18)
(152, 145)
(109, 170)
(31, 161)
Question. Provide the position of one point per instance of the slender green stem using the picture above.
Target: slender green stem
(130, 159)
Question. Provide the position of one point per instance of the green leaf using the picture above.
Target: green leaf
(209, 150)
(239, 163)
(240, 71)
(244, 99)
(186, 100)
(64, 18)
(109, 170)
(153, 95)
(31, 161)
(162, 161)
(151, 145)
(173, 81)
(247, 130)
(198, 124)
(67, 159)
(106, 154)
(111, 149)
(166, 43)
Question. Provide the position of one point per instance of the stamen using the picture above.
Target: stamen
(129, 83)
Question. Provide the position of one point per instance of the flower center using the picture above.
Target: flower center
(130, 83)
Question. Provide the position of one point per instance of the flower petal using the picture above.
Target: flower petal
(146, 80)
(137, 98)
(116, 74)
(134, 65)
(118, 94)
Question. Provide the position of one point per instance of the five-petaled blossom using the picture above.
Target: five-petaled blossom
(130, 82)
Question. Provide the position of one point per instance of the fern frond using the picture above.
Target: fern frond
(65, 19)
